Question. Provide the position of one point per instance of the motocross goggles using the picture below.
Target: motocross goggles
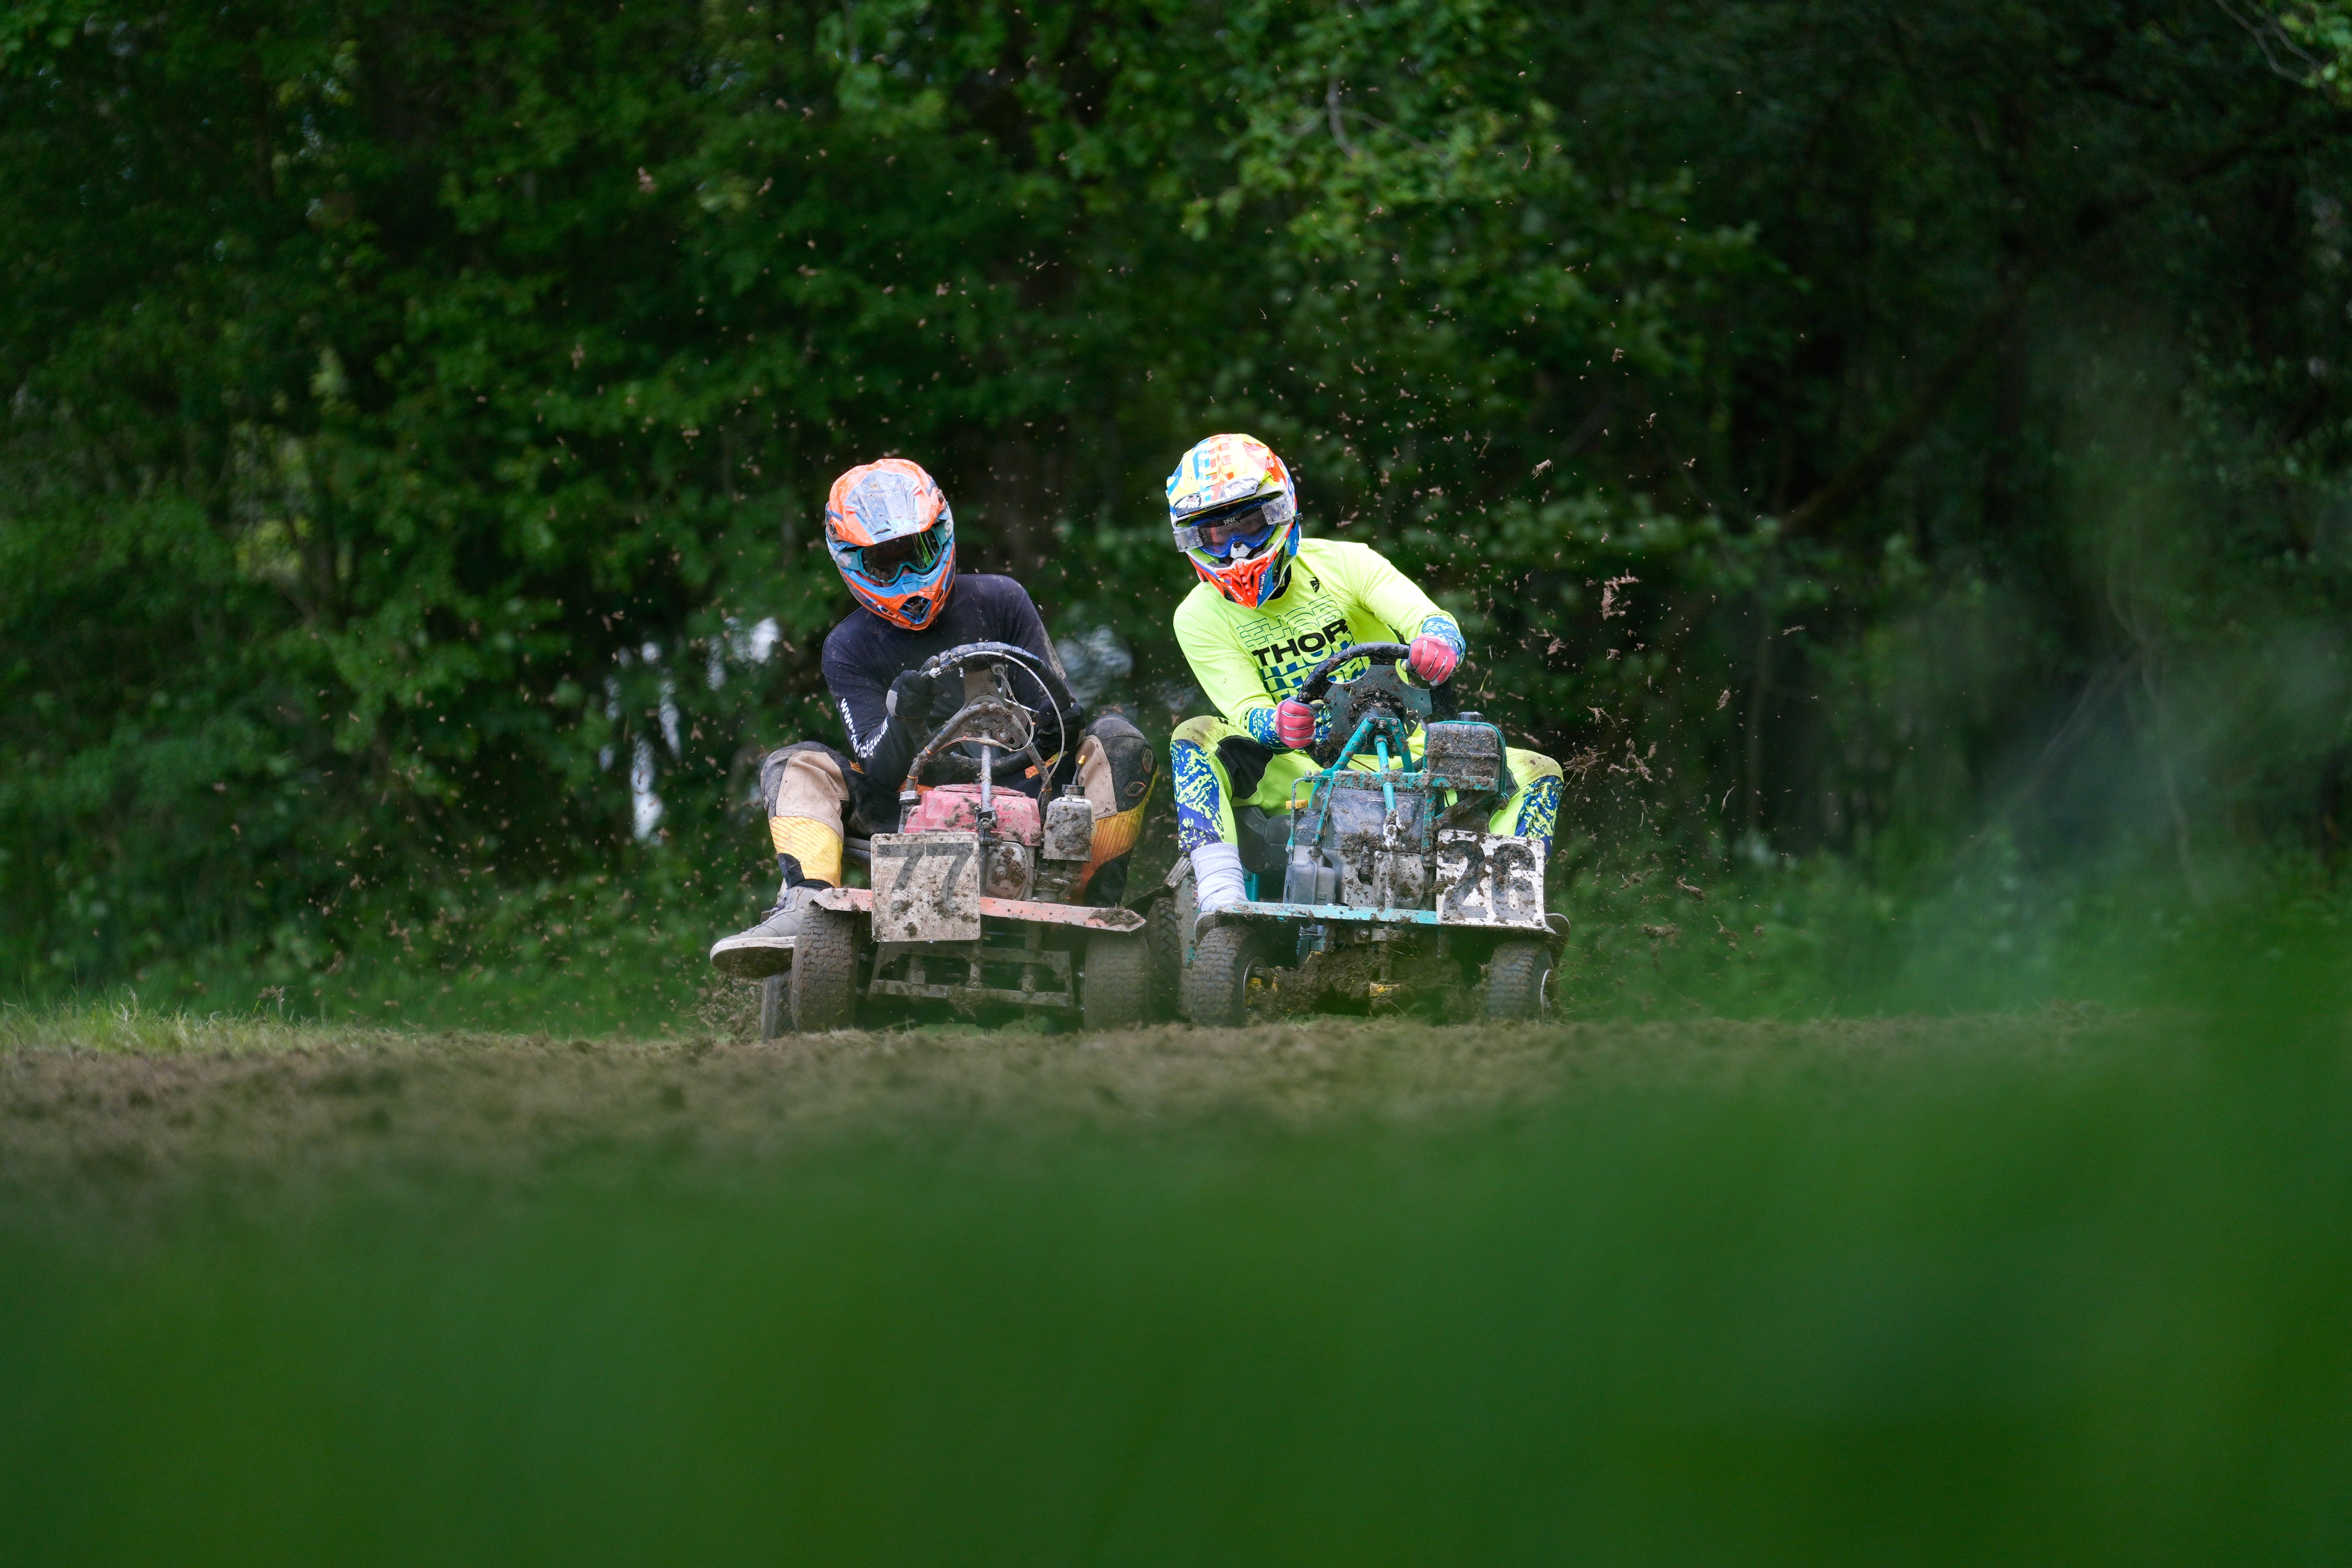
(1236, 532)
(893, 558)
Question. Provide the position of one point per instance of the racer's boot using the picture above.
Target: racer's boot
(767, 948)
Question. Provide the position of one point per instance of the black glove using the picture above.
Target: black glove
(913, 697)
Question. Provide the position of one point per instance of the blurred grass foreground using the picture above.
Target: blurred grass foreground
(2068, 1286)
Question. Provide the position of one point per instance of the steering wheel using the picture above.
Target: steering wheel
(992, 721)
(1381, 688)
(966, 655)
(1318, 684)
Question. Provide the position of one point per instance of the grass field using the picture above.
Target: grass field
(2064, 1286)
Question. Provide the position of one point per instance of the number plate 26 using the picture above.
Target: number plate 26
(1483, 880)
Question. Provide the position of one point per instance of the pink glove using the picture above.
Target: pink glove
(1294, 723)
(1432, 660)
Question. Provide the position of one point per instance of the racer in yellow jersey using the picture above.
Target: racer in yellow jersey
(1270, 605)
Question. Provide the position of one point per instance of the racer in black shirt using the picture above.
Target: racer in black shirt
(893, 538)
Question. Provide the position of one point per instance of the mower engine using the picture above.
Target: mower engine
(1010, 869)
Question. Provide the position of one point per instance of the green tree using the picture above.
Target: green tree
(1841, 428)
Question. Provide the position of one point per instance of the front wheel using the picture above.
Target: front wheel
(1216, 987)
(1118, 980)
(824, 977)
(775, 1006)
(1520, 982)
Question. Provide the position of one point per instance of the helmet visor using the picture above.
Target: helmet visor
(893, 558)
(1235, 534)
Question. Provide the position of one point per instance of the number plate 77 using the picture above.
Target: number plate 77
(927, 887)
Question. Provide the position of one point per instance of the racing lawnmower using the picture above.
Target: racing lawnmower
(972, 902)
(1381, 886)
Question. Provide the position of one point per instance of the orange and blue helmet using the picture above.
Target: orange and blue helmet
(1235, 515)
(893, 537)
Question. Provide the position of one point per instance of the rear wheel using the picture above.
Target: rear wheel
(1165, 938)
(1216, 988)
(775, 1006)
(1118, 980)
(1518, 981)
(823, 981)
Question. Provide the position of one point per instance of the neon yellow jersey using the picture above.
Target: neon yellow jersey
(1248, 661)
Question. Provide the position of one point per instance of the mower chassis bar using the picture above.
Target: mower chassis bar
(1235, 914)
(860, 901)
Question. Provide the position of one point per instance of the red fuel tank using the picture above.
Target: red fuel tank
(947, 808)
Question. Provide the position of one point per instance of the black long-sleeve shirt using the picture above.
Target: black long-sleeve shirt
(864, 654)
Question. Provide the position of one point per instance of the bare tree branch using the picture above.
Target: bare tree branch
(1851, 483)
(2268, 35)
(1331, 111)
(1854, 482)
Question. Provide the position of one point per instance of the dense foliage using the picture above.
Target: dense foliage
(1847, 430)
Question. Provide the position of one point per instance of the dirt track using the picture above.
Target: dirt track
(306, 1098)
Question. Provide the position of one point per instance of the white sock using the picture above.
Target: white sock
(1217, 877)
